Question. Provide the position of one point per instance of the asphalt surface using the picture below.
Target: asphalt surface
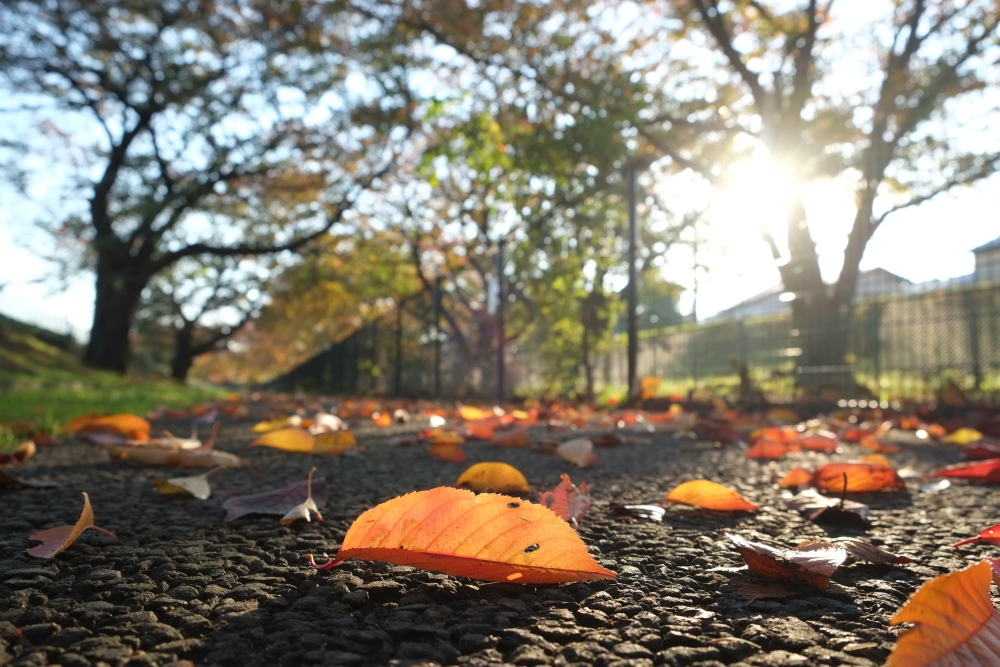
(179, 586)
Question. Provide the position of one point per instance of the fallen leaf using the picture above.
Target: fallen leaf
(276, 424)
(195, 485)
(9, 480)
(815, 567)
(516, 438)
(324, 422)
(821, 441)
(490, 537)
(442, 436)
(767, 449)
(963, 436)
(578, 451)
(333, 442)
(990, 535)
(469, 413)
(287, 440)
(984, 471)
(877, 459)
(796, 477)
(54, 540)
(860, 477)
(203, 457)
(956, 624)
(857, 548)
(651, 512)
(479, 430)
(709, 495)
(306, 508)
(448, 452)
(130, 426)
(820, 509)
(981, 451)
(569, 502)
(277, 501)
(493, 476)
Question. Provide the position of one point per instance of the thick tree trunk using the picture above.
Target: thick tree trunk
(117, 295)
(823, 328)
(588, 366)
(184, 353)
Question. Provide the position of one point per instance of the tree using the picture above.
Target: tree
(201, 306)
(211, 133)
(906, 128)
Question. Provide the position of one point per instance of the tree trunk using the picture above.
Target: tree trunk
(184, 353)
(117, 295)
(588, 366)
(823, 328)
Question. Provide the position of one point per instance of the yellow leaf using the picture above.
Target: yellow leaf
(493, 476)
(963, 436)
(287, 439)
(336, 442)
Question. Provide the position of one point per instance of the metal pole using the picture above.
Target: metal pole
(437, 337)
(633, 293)
(501, 337)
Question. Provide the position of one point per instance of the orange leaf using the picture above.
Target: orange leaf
(448, 452)
(709, 495)
(469, 413)
(861, 477)
(493, 476)
(819, 442)
(796, 477)
(490, 537)
(382, 419)
(873, 443)
(767, 448)
(54, 540)
(441, 436)
(480, 430)
(130, 426)
(956, 623)
(516, 438)
(876, 458)
(335, 442)
(287, 440)
(569, 502)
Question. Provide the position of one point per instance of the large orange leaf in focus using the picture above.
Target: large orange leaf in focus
(493, 476)
(131, 426)
(709, 495)
(860, 477)
(54, 540)
(956, 623)
(287, 440)
(490, 537)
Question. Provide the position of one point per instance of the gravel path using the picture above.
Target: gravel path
(177, 586)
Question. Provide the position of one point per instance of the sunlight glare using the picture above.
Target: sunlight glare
(758, 196)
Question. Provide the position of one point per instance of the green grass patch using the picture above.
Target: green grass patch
(43, 386)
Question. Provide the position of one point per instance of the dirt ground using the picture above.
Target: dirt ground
(177, 585)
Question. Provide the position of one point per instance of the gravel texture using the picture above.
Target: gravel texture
(178, 586)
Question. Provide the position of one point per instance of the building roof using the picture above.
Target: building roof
(992, 245)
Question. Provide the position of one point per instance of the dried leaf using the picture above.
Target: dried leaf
(956, 623)
(651, 512)
(820, 509)
(516, 438)
(579, 452)
(569, 502)
(195, 485)
(984, 471)
(767, 449)
(287, 440)
(54, 540)
(448, 452)
(990, 535)
(129, 426)
(963, 436)
(441, 436)
(203, 457)
(306, 508)
(821, 441)
(9, 480)
(490, 537)
(278, 501)
(709, 495)
(275, 424)
(857, 548)
(333, 442)
(796, 477)
(493, 476)
(814, 567)
(860, 477)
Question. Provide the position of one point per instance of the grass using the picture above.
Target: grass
(44, 385)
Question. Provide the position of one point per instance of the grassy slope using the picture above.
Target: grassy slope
(43, 383)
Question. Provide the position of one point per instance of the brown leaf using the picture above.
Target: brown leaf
(857, 548)
(820, 509)
(815, 567)
(16, 482)
(278, 501)
(54, 540)
(305, 509)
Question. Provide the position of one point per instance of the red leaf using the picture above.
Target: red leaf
(985, 471)
(569, 502)
(815, 567)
